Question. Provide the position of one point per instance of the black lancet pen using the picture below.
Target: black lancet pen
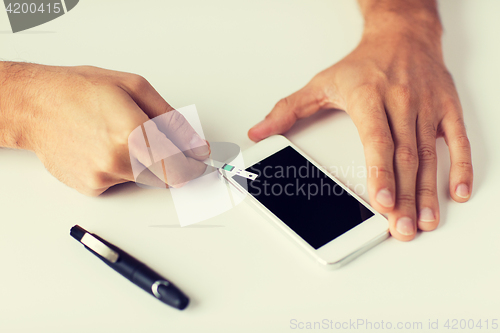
(131, 268)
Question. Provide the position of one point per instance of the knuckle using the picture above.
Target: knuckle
(464, 166)
(283, 103)
(427, 153)
(426, 190)
(367, 91)
(138, 83)
(321, 97)
(401, 93)
(112, 164)
(131, 136)
(380, 171)
(176, 122)
(447, 76)
(462, 141)
(428, 130)
(96, 181)
(450, 104)
(381, 140)
(375, 114)
(407, 156)
(406, 200)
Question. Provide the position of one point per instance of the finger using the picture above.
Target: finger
(176, 127)
(143, 93)
(368, 114)
(287, 111)
(169, 121)
(402, 119)
(153, 149)
(169, 162)
(427, 200)
(140, 173)
(461, 172)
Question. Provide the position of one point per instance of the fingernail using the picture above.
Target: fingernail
(384, 197)
(198, 146)
(462, 191)
(405, 226)
(426, 215)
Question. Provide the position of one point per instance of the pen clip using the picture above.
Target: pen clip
(99, 247)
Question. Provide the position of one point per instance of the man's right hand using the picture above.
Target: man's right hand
(78, 121)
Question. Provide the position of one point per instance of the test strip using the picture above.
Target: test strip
(232, 169)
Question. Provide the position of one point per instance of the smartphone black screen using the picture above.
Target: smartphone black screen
(304, 198)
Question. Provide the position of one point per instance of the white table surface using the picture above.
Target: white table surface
(234, 60)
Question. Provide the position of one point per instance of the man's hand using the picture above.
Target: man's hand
(78, 121)
(399, 94)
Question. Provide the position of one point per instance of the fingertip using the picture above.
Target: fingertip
(258, 132)
(428, 219)
(252, 135)
(403, 228)
(199, 147)
(379, 208)
(427, 226)
(400, 237)
(382, 201)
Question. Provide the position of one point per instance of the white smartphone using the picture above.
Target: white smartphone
(320, 214)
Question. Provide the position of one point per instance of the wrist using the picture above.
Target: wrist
(16, 117)
(418, 23)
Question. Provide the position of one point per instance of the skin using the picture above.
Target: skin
(79, 120)
(399, 94)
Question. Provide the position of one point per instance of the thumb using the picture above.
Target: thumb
(287, 111)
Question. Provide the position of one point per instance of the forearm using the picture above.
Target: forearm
(409, 18)
(15, 117)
